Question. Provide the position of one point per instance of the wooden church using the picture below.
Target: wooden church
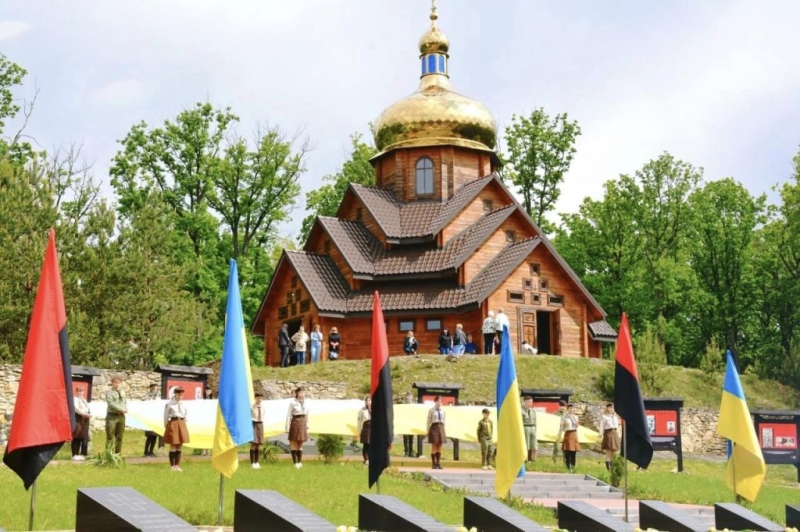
(440, 237)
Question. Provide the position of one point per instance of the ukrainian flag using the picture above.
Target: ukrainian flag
(511, 447)
(234, 425)
(746, 467)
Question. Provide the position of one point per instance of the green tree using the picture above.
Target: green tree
(13, 148)
(540, 152)
(725, 216)
(325, 200)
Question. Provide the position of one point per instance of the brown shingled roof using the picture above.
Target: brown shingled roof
(497, 271)
(323, 280)
(602, 331)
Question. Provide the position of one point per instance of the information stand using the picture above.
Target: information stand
(546, 400)
(426, 392)
(82, 377)
(192, 379)
(777, 432)
(664, 421)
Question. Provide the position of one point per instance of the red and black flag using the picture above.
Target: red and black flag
(381, 429)
(628, 400)
(44, 414)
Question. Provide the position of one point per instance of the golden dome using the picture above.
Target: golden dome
(435, 115)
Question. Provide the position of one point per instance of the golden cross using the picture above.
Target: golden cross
(433, 11)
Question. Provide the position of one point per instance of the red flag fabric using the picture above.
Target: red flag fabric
(628, 401)
(44, 414)
(381, 428)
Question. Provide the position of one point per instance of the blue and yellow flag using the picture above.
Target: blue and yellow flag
(511, 447)
(746, 467)
(234, 425)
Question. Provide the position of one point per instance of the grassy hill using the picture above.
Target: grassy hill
(588, 378)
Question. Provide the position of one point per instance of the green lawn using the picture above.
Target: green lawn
(477, 375)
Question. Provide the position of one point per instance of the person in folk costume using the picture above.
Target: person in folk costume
(150, 437)
(562, 406)
(609, 424)
(569, 426)
(257, 415)
(297, 426)
(334, 342)
(489, 334)
(408, 439)
(436, 433)
(529, 426)
(83, 417)
(485, 434)
(175, 431)
(364, 421)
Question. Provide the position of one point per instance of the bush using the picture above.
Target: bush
(712, 362)
(651, 356)
(605, 382)
(270, 453)
(108, 458)
(330, 447)
(617, 471)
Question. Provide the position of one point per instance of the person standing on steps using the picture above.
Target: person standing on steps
(608, 428)
(297, 425)
(175, 432)
(489, 333)
(485, 434)
(285, 345)
(436, 433)
(115, 415)
(257, 415)
(83, 417)
(151, 437)
(364, 421)
(569, 426)
(562, 406)
(408, 439)
(529, 426)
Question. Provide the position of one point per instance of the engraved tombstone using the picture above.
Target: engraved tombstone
(253, 508)
(123, 510)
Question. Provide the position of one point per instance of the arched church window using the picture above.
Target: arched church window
(424, 176)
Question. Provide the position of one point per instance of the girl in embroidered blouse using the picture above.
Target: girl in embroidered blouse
(570, 446)
(608, 428)
(297, 426)
(364, 420)
(175, 433)
(436, 434)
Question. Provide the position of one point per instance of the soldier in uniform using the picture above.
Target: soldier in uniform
(115, 415)
(485, 433)
(529, 426)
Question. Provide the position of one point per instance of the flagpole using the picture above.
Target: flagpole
(378, 485)
(733, 467)
(33, 506)
(219, 507)
(625, 450)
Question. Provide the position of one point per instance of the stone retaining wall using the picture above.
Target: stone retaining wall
(698, 425)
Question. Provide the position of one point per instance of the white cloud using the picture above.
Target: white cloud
(119, 93)
(10, 29)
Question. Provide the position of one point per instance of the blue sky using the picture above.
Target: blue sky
(716, 83)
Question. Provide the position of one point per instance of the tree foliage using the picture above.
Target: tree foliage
(540, 152)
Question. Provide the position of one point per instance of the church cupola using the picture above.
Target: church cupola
(433, 47)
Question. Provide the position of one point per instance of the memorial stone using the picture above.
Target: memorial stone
(388, 514)
(662, 516)
(734, 517)
(578, 516)
(792, 516)
(256, 510)
(490, 515)
(123, 510)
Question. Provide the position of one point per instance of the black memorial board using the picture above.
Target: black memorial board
(578, 516)
(792, 516)
(490, 515)
(734, 517)
(778, 434)
(123, 510)
(663, 416)
(659, 515)
(388, 514)
(252, 509)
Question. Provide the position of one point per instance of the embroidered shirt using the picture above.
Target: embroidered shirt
(609, 421)
(569, 422)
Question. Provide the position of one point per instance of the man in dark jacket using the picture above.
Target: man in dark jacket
(285, 345)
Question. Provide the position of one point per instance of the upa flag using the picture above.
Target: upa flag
(628, 401)
(234, 425)
(511, 447)
(44, 414)
(381, 431)
(746, 467)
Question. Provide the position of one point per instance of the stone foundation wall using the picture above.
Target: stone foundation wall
(313, 390)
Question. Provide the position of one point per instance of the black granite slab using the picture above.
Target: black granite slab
(578, 516)
(256, 510)
(662, 516)
(123, 510)
(382, 513)
(490, 515)
(735, 517)
(792, 515)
